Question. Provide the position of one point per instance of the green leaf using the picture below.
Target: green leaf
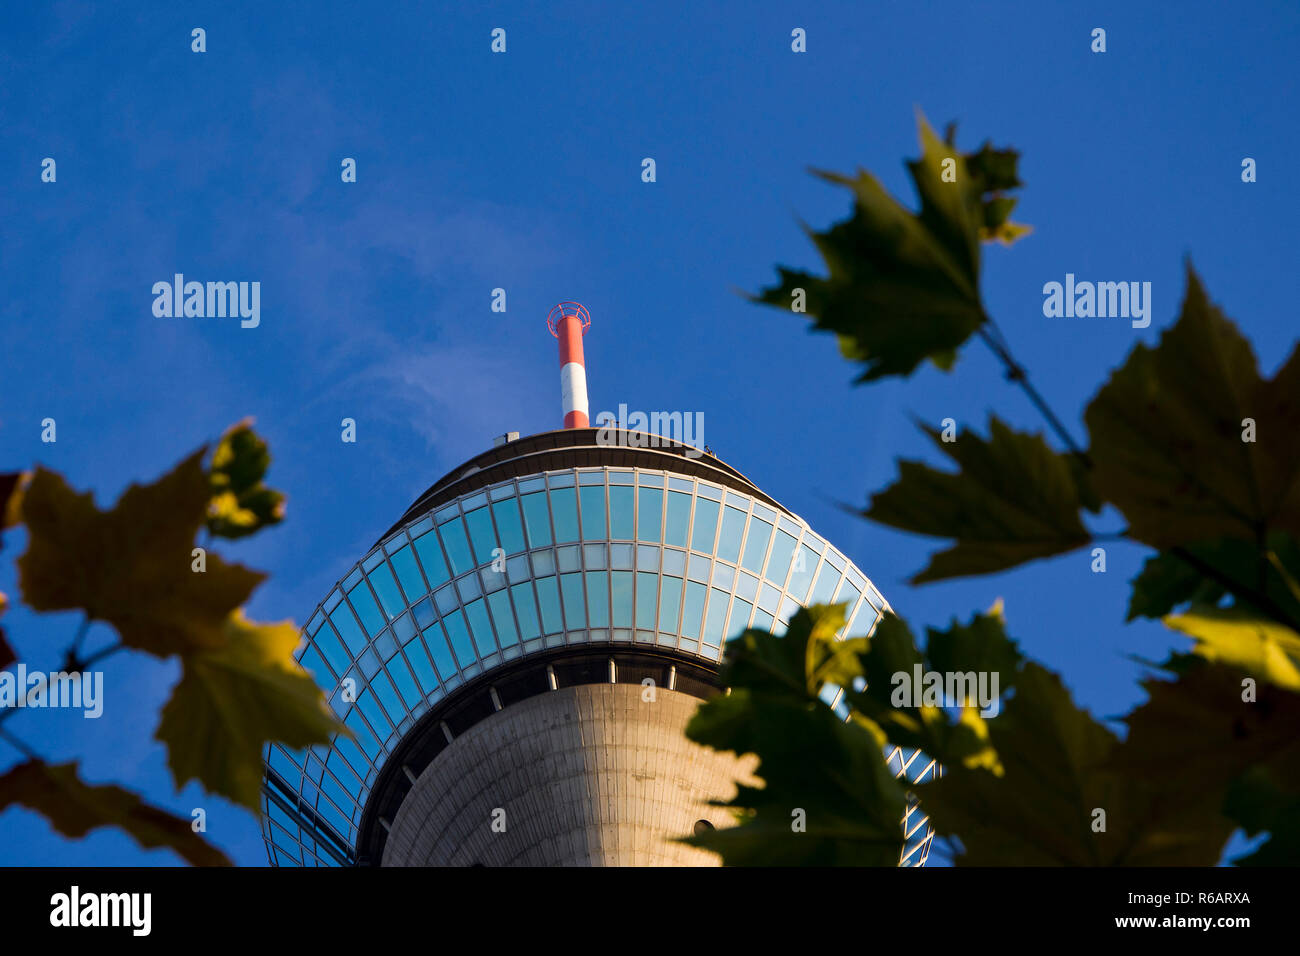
(1167, 435)
(232, 700)
(1014, 500)
(11, 499)
(131, 566)
(903, 287)
(1262, 648)
(816, 767)
(1169, 580)
(890, 665)
(241, 504)
(1222, 742)
(7, 655)
(74, 808)
(1257, 802)
(1042, 810)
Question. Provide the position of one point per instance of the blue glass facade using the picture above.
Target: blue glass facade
(567, 557)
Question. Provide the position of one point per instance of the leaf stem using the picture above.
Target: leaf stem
(1015, 372)
(17, 744)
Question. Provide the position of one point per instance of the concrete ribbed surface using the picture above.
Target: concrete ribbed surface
(588, 776)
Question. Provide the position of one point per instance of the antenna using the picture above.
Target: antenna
(569, 322)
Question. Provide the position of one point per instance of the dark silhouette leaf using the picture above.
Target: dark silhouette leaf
(74, 808)
(1014, 500)
(131, 566)
(1167, 435)
(903, 287)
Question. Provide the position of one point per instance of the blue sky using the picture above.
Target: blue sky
(522, 171)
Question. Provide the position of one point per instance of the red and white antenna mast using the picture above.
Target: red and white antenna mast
(569, 322)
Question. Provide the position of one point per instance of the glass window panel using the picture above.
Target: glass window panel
(348, 780)
(353, 755)
(332, 816)
(409, 574)
(364, 604)
(740, 611)
(575, 612)
(647, 597)
(862, 622)
(762, 621)
(693, 609)
(621, 586)
(622, 512)
(543, 563)
(385, 586)
(593, 512)
(503, 619)
(385, 645)
(678, 519)
(706, 523)
(481, 535)
(423, 667)
(760, 533)
(716, 618)
(314, 664)
(522, 597)
(457, 545)
(387, 694)
(649, 518)
(435, 567)
(369, 705)
(329, 645)
(670, 605)
(459, 635)
(401, 675)
(364, 738)
(509, 526)
(564, 507)
(423, 613)
(597, 599)
(848, 594)
(480, 626)
(805, 563)
(548, 597)
(778, 565)
(347, 627)
(733, 528)
(537, 519)
(827, 578)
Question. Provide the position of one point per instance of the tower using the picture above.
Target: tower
(518, 655)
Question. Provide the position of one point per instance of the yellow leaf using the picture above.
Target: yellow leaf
(241, 504)
(1233, 636)
(232, 700)
(131, 566)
